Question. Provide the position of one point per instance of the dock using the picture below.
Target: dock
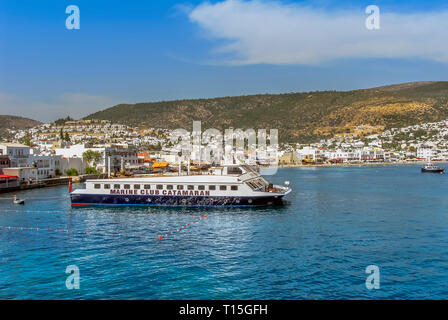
(51, 182)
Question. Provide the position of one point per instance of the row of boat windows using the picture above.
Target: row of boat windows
(168, 187)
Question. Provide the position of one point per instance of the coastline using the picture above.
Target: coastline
(51, 182)
(355, 164)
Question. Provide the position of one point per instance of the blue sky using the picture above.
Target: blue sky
(138, 51)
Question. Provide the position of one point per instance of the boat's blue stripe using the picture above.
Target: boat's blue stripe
(160, 205)
(169, 201)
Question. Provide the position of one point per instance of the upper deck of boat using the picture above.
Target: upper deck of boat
(218, 175)
(175, 178)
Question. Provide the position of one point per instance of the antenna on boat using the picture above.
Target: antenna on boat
(179, 154)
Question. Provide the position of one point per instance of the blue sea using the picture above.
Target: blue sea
(340, 220)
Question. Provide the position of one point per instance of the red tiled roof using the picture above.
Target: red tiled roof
(7, 176)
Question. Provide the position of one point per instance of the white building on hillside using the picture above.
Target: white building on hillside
(426, 152)
(46, 165)
(75, 152)
(17, 153)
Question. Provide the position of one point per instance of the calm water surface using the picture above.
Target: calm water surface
(340, 221)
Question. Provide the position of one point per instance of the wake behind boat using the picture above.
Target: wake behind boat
(226, 186)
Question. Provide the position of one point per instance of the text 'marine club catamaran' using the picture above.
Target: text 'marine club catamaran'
(227, 186)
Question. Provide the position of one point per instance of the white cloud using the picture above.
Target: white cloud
(76, 105)
(274, 33)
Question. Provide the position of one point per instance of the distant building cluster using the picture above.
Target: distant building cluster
(87, 146)
(90, 132)
(76, 147)
(421, 142)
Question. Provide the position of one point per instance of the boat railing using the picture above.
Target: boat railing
(248, 176)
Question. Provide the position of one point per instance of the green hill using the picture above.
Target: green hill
(14, 122)
(300, 117)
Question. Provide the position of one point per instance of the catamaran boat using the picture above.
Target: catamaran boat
(239, 185)
(429, 167)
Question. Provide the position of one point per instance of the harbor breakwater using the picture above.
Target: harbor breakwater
(52, 182)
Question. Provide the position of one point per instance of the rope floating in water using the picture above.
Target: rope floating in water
(85, 233)
(40, 198)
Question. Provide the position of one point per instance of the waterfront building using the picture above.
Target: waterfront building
(426, 152)
(119, 158)
(46, 164)
(171, 156)
(18, 153)
(5, 162)
(288, 158)
(76, 151)
(307, 154)
(24, 174)
(8, 181)
(72, 163)
(72, 157)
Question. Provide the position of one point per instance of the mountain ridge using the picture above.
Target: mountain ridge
(300, 117)
(15, 122)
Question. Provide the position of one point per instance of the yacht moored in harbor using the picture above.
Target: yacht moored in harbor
(226, 186)
(429, 167)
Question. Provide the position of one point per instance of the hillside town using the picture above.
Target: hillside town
(72, 148)
(423, 142)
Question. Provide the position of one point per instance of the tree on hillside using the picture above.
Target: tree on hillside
(27, 141)
(90, 157)
(63, 120)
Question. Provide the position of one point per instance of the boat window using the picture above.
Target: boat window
(253, 185)
(136, 186)
(116, 186)
(147, 186)
(169, 187)
(190, 187)
(97, 186)
(234, 188)
(234, 170)
(222, 188)
(159, 187)
(127, 186)
(201, 187)
(180, 187)
(107, 186)
(211, 187)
